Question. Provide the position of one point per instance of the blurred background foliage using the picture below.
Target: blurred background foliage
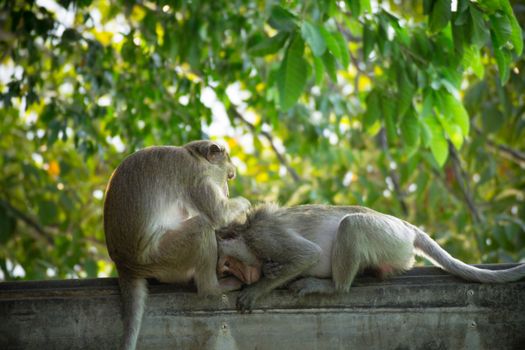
(415, 109)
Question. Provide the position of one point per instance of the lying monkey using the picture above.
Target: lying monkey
(337, 242)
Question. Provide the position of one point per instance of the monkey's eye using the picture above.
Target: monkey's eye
(231, 175)
(227, 263)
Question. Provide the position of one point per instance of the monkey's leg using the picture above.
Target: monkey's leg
(346, 255)
(193, 244)
(312, 285)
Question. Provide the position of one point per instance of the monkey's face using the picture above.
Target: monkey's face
(217, 155)
(228, 265)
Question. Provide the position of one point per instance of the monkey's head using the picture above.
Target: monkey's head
(236, 259)
(228, 265)
(214, 153)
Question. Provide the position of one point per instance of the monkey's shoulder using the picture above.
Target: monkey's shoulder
(325, 210)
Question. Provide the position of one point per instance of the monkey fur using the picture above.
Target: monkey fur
(161, 209)
(329, 245)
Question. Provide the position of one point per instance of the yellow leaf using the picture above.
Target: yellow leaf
(260, 87)
(103, 37)
(159, 30)
(378, 70)
(232, 143)
(363, 83)
(53, 168)
(138, 13)
(262, 177)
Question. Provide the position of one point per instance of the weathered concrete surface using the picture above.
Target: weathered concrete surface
(425, 309)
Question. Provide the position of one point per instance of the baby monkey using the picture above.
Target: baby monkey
(329, 245)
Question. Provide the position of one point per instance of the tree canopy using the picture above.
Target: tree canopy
(415, 109)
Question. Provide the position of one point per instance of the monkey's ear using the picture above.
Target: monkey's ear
(214, 153)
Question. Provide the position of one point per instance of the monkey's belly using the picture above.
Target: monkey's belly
(175, 276)
(323, 269)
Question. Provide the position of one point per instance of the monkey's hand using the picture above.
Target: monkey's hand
(241, 204)
(271, 269)
(312, 285)
(229, 284)
(247, 298)
(238, 208)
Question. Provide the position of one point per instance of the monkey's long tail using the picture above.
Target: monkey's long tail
(134, 294)
(432, 251)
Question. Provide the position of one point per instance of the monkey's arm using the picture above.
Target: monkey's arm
(294, 253)
(211, 200)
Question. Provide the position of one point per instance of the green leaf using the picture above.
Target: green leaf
(493, 119)
(410, 131)
(369, 39)
(91, 268)
(7, 226)
(452, 117)
(427, 6)
(343, 48)
(331, 43)
(501, 30)
(517, 35)
(319, 70)
(472, 59)
(313, 37)
(282, 19)
(365, 6)
(373, 111)
(406, 91)
(47, 212)
(388, 108)
(476, 27)
(330, 65)
(439, 16)
(453, 132)
(293, 74)
(438, 142)
(268, 46)
(454, 109)
(503, 60)
(355, 7)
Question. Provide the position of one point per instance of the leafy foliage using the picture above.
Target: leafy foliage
(415, 110)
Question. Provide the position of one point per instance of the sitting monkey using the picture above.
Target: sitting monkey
(161, 209)
(337, 242)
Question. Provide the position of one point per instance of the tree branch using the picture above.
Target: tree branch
(236, 115)
(27, 220)
(508, 152)
(463, 183)
(393, 175)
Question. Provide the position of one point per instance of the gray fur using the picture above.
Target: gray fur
(336, 242)
(161, 209)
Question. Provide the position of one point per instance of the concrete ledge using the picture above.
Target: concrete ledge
(423, 309)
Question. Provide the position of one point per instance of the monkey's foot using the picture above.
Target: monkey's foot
(246, 299)
(312, 285)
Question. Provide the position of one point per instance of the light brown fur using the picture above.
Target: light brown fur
(161, 208)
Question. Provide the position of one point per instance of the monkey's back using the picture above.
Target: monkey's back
(316, 222)
(142, 187)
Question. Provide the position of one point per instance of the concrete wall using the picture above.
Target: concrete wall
(425, 309)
